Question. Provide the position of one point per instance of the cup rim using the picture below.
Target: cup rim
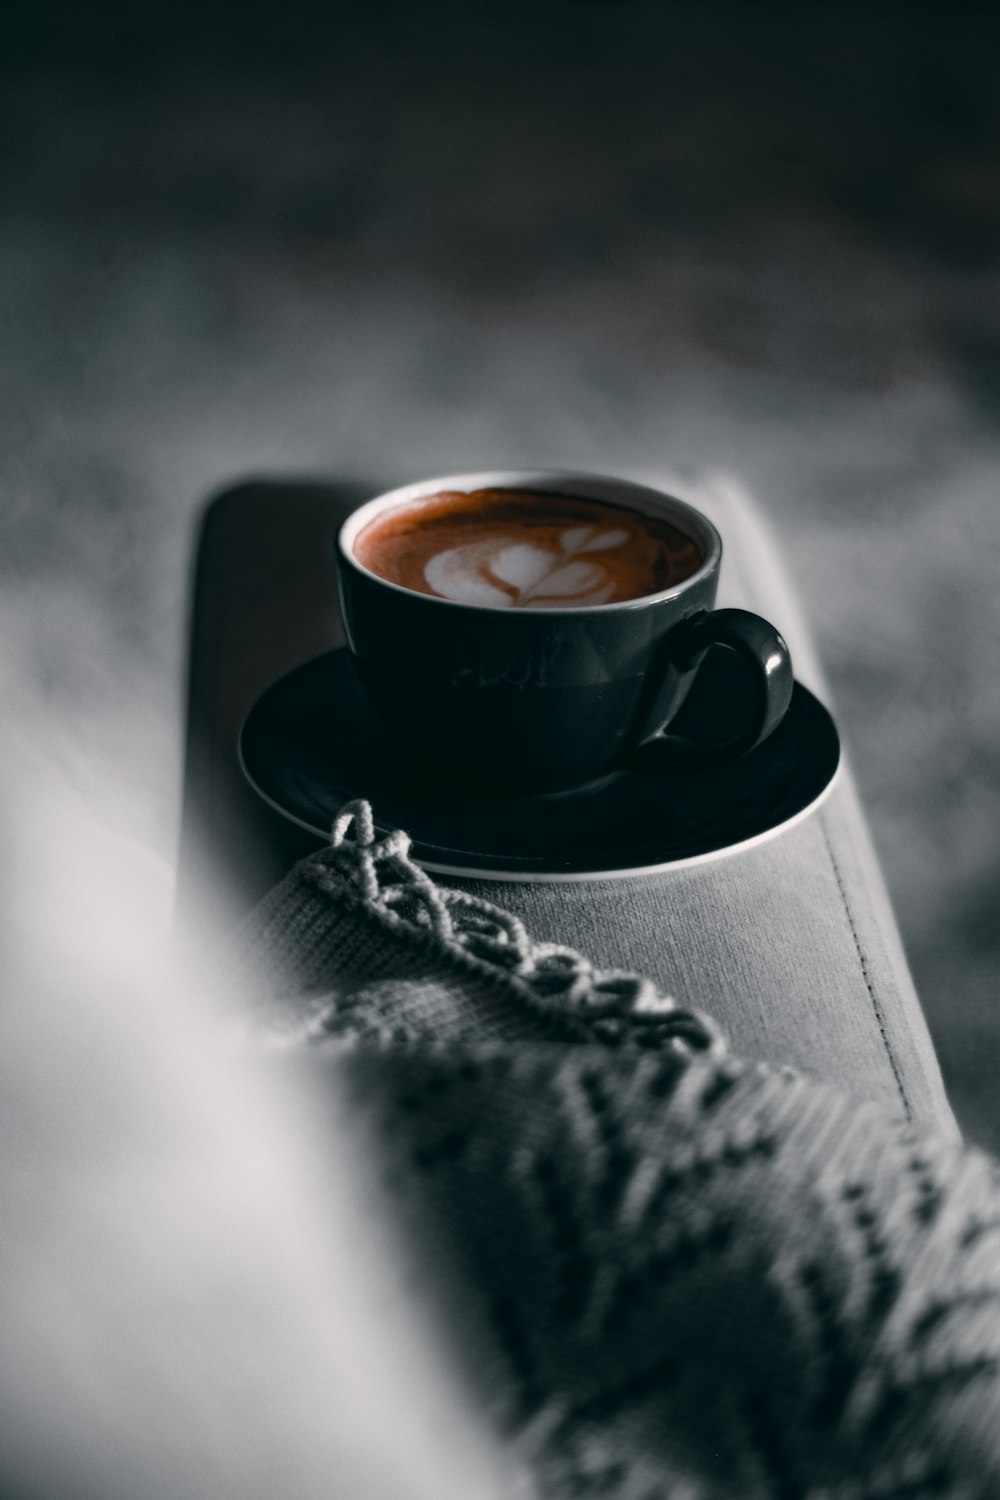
(585, 486)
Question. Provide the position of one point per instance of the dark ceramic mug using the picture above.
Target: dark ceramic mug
(511, 700)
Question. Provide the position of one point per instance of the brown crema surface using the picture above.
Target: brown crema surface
(526, 549)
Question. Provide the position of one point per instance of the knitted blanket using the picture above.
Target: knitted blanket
(671, 1273)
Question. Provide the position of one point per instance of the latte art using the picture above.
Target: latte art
(522, 574)
(512, 549)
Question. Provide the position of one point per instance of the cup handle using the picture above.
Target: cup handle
(766, 656)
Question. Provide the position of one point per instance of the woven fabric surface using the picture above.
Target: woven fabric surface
(695, 1277)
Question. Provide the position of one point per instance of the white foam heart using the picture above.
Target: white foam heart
(522, 565)
(455, 575)
(539, 577)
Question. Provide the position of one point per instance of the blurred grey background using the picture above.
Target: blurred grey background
(755, 238)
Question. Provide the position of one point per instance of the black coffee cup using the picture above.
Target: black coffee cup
(539, 700)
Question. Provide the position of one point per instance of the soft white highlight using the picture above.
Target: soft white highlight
(199, 1293)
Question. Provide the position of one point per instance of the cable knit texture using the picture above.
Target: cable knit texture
(698, 1278)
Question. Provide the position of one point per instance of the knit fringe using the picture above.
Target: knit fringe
(376, 869)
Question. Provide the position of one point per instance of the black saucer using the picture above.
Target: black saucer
(312, 743)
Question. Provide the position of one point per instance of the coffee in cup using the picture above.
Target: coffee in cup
(531, 631)
(525, 549)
